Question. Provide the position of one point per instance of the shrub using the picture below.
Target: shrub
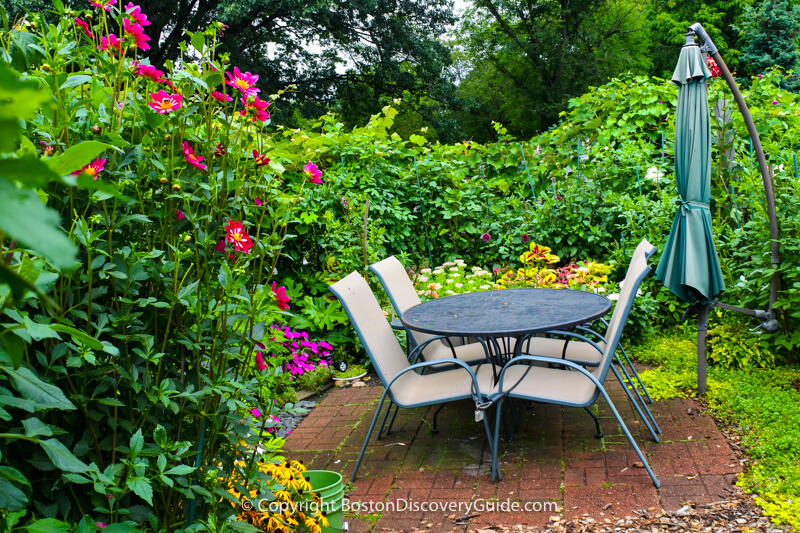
(144, 337)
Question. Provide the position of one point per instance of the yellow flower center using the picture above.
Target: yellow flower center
(242, 84)
(166, 104)
(90, 171)
(237, 237)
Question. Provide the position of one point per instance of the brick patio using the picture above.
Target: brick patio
(553, 458)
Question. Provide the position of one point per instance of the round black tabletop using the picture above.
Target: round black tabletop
(506, 312)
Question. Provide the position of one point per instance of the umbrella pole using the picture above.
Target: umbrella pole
(766, 175)
(702, 329)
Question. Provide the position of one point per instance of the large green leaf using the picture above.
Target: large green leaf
(137, 443)
(11, 497)
(29, 170)
(25, 218)
(46, 395)
(75, 80)
(78, 336)
(19, 285)
(18, 99)
(62, 457)
(77, 156)
(49, 525)
(36, 428)
(142, 488)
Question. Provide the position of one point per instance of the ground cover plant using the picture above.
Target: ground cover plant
(755, 399)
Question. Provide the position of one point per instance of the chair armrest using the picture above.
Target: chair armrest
(537, 358)
(571, 334)
(476, 391)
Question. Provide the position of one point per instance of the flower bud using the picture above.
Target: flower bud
(167, 137)
(187, 238)
(46, 67)
(164, 180)
(96, 129)
(176, 186)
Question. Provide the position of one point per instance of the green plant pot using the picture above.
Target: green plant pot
(330, 488)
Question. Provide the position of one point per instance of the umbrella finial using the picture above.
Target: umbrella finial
(706, 44)
(690, 39)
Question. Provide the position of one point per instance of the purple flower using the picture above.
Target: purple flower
(774, 102)
(486, 237)
(525, 238)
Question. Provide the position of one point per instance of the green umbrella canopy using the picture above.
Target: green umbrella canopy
(689, 266)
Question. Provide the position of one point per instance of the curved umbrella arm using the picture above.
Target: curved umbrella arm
(707, 45)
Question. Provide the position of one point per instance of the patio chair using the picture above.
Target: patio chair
(572, 384)
(587, 350)
(403, 295)
(402, 384)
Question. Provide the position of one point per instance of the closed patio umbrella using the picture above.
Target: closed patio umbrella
(689, 266)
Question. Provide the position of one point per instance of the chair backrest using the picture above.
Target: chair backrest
(367, 317)
(401, 292)
(637, 270)
(396, 283)
(645, 248)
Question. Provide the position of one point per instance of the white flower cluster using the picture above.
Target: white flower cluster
(654, 175)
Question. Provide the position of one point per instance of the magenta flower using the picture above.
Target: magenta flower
(150, 72)
(165, 103)
(257, 107)
(238, 236)
(92, 169)
(219, 151)
(220, 247)
(218, 96)
(136, 32)
(713, 67)
(135, 13)
(280, 296)
(260, 159)
(110, 43)
(82, 24)
(486, 237)
(525, 238)
(179, 214)
(314, 174)
(259, 203)
(260, 361)
(255, 412)
(774, 102)
(103, 4)
(192, 159)
(243, 82)
(47, 149)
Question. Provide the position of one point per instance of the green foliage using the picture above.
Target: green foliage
(529, 59)
(674, 356)
(315, 379)
(771, 32)
(765, 406)
(135, 282)
(735, 346)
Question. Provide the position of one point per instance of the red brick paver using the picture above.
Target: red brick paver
(417, 479)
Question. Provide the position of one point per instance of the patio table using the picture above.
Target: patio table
(498, 315)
